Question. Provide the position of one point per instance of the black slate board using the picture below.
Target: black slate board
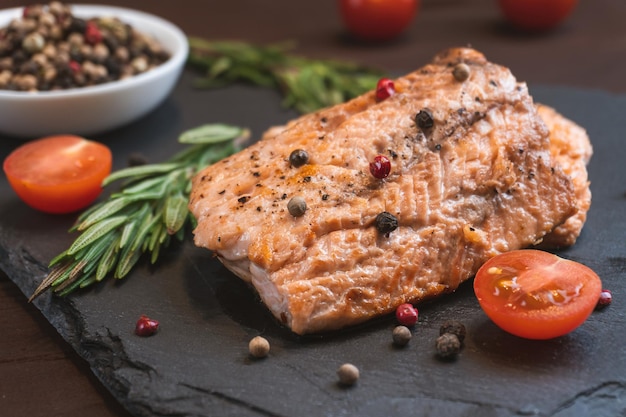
(197, 365)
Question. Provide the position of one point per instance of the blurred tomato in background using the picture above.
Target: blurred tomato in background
(377, 20)
(536, 15)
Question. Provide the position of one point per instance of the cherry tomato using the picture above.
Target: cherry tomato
(536, 15)
(535, 294)
(58, 174)
(377, 20)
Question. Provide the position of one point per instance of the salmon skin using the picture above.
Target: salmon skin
(480, 181)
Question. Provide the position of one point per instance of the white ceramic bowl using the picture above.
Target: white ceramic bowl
(96, 109)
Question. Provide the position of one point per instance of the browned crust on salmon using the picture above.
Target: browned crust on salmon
(480, 182)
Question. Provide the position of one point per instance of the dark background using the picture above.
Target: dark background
(41, 375)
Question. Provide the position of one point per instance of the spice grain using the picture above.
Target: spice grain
(448, 346)
(401, 335)
(49, 48)
(259, 347)
(348, 374)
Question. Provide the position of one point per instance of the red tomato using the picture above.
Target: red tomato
(536, 15)
(377, 20)
(58, 174)
(535, 294)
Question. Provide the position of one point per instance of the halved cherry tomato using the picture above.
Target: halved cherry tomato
(58, 174)
(536, 15)
(535, 294)
(377, 20)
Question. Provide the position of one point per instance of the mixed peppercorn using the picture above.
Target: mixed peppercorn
(146, 326)
(49, 48)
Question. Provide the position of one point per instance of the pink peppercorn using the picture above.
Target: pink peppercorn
(385, 88)
(146, 326)
(75, 66)
(380, 167)
(605, 299)
(93, 35)
(406, 314)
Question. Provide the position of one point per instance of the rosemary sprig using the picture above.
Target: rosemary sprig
(306, 84)
(143, 216)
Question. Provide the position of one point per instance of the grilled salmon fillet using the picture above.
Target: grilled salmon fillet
(571, 149)
(480, 181)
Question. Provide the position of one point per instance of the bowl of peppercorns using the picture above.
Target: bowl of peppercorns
(83, 69)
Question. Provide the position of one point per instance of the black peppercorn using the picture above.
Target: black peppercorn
(424, 119)
(386, 223)
(298, 158)
(454, 327)
(448, 346)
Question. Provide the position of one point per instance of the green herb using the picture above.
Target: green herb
(306, 84)
(142, 217)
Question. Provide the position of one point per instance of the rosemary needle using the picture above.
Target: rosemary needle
(149, 210)
(306, 84)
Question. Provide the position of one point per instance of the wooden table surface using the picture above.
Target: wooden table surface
(40, 374)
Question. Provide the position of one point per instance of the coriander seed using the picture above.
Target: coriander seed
(348, 374)
(259, 347)
(296, 206)
(401, 335)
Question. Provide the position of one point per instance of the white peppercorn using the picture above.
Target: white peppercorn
(100, 52)
(5, 77)
(461, 72)
(47, 19)
(49, 50)
(26, 82)
(259, 347)
(76, 39)
(401, 335)
(139, 64)
(348, 374)
(33, 42)
(50, 73)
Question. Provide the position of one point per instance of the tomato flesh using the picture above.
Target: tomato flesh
(58, 174)
(377, 20)
(535, 294)
(536, 15)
